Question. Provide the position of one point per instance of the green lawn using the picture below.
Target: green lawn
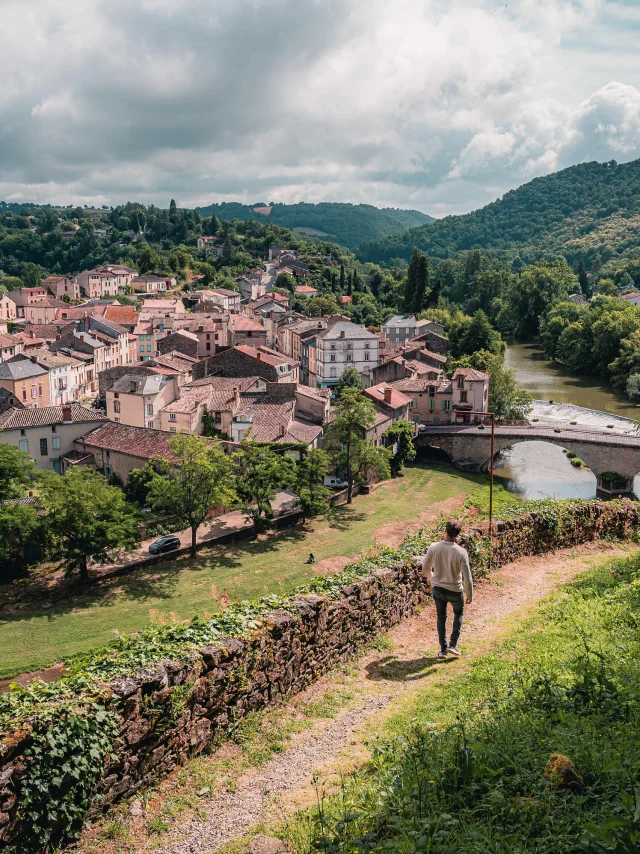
(45, 632)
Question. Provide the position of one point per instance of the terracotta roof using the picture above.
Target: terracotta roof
(346, 298)
(47, 359)
(43, 416)
(242, 323)
(190, 399)
(175, 359)
(420, 384)
(435, 356)
(225, 385)
(630, 295)
(225, 292)
(272, 421)
(68, 313)
(125, 315)
(263, 355)
(10, 340)
(280, 297)
(471, 374)
(140, 442)
(27, 339)
(397, 401)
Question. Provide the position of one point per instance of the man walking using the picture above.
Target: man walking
(451, 581)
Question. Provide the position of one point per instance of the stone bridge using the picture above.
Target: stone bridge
(602, 449)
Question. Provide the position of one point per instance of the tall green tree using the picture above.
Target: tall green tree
(86, 518)
(260, 473)
(583, 279)
(422, 284)
(31, 275)
(19, 524)
(352, 454)
(17, 471)
(473, 334)
(350, 378)
(411, 282)
(200, 479)
(400, 435)
(310, 474)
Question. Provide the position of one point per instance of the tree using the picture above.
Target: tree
(434, 295)
(473, 334)
(401, 434)
(139, 480)
(228, 252)
(342, 285)
(86, 518)
(555, 321)
(310, 487)
(350, 378)
(583, 279)
(17, 470)
(173, 209)
(352, 455)
(148, 259)
(531, 294)
(422, 284)
(260, 473)
(19, 524)
(31, 275)
(199, 480)
(411, 283)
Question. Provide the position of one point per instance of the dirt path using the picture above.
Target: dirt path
(378, 683)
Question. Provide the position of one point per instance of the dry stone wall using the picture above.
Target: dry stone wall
(176, 709)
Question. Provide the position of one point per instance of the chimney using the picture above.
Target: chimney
(258, 355)
(66, 414)
(34, 360)
(387, 395)
(33, 334)
(236, 396)
(134, 386)
(283, 430)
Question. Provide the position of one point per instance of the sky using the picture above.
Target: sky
(438, 105)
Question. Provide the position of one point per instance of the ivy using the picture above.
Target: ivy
(66, 761)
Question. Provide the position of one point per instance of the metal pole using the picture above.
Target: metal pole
(493, 427)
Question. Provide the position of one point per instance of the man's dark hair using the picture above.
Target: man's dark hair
(453, 528)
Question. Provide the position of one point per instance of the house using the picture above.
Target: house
(246, 361)
(205, 241)
(470, 393)
(24, 297)
(103, 353)
(633, 297)
(62, 286)
(269, 312)
(244, 330)
(27, 381)
(251, 285)
(44, 311)
(305, 291)
(400, 328)
(116, 449)
(270, 417)
(49, 432)
(390, 401)
(10, 345)
(152, 308)
(217, 397)
(578, 299)
(205, 334)
(59, 367)
(342, 344)
(433, 341)
(149, 284)
(136, 400)
(99, 283)
(289, 335)
(345, 299)
(124, 315)
(8, 309)
(429, 326)
(401, 368)
(224, 297)
(431, 399)
(8, 400)
(288, 263)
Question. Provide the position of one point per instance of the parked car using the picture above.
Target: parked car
(165, 544)
(334, 482)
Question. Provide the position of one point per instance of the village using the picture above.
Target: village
(87, 381)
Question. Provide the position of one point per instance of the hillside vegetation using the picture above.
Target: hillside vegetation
(350, 225)
(535, 750)
(586, 210)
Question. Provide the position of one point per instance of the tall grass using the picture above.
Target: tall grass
(464, 770)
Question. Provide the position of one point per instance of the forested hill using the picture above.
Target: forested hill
(586, 210)
(350, 225)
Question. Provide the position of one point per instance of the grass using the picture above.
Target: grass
(470, 769)
(48, 630)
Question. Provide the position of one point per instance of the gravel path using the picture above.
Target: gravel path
(381, 680)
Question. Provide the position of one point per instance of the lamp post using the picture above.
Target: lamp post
(492, 416)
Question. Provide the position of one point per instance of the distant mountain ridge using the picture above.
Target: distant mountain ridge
(579, 212)
(350, 225)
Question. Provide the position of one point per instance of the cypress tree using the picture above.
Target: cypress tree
(422, 284)
(341, 278)
(412, 280)
(583, 279)
(434, 295)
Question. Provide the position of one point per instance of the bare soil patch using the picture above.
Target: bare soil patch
(393, 533)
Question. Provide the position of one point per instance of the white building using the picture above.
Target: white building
(341, 345)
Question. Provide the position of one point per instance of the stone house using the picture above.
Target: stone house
(245, 361)
(390, 401)
(400, 328)
(61, 286)
(27, 381)
(10, 345)
(342, 344)
(47, 433)
(136, 399)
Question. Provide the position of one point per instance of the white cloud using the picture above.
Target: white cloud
(439, 104)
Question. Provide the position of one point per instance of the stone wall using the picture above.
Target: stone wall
(175, 709)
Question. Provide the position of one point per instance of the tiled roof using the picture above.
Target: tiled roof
(28, 340)
(44, 416)
(21, 370)
(225, 385)
(397, 401)
(48, 359)
(420, 384)
(224, 292)
(125, 315)
(175, 359)
(470, 374)
(305, 289)
(69, 313)
(190, 399)
(437, 357)
(400, 321)
(140, 442)
(267, 356)
(10, 340)
(242, 323)
(272, 421)
(630, 295)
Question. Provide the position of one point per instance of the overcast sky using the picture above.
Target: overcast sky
(440, 105)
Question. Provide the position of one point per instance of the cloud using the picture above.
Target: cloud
(437, 104)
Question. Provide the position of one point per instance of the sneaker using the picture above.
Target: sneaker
(454, 651)
(442, 654)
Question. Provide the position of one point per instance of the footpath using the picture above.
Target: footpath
(241, 800)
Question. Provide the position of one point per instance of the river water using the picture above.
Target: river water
(539, 469)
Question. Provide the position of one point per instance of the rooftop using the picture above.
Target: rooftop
(471, 374)
(396, 399)
(140, 442)
(44, 416)
(401, 321)
(136, 384)
(346, 329)
(21, 370)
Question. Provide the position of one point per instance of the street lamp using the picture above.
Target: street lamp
(492, 417)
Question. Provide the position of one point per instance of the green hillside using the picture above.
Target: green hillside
(586, 210)
(350, 225)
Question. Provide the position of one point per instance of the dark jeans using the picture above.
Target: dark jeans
(441, 597)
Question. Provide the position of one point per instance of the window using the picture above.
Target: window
(116, 406)
(142, 348)
(366, 346)
(463, 397)
(349, 345)
(24, 394)
(34, 391)
(44, 448)
(55, 442)
(150, 425)
(208, 345)
(172, 416)
(117, 420)
(446, 405)
(349, 357)
(172, 429)
(24, 445)
(54, 429)
(333, 357)
(148, 338)
(366, 357)
(333, 372)
(148, 348)
(461, 381)
(149, 408)
(107, 471)
(23, 432)
(333, 346)
(116, 395)
(431, 404)
(413, 403)
(432, 391)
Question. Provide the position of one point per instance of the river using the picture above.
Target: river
(539, 469)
